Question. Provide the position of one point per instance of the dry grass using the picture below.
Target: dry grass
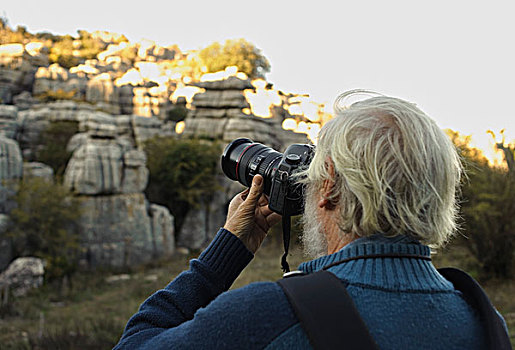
(93, 313)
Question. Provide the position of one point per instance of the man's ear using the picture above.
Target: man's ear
(328, 186)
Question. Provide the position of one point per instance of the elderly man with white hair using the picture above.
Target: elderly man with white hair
(380, 192)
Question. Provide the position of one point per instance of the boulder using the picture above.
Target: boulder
(23, 275)
(162, 230)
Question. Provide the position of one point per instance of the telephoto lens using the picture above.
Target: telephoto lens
(243, 158)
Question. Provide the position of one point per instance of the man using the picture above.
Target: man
(382, 181)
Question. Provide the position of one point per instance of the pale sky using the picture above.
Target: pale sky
(454, 59)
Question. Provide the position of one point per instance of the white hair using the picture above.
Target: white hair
(396, 171)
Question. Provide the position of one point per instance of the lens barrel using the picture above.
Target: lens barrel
(243, 158)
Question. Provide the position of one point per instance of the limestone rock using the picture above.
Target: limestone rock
(9, 121)
(32, 122)
(162, 230)
(102, 89)
(231, 83)
(11, 162)
(145, 128)
(135, 173)
(220, 99)
(98, 125)
(24, 101)
(201, 225)
(105, 166)
(22, 275)
(95, 168)
(36, 169)
(116, 230)
(16, 71)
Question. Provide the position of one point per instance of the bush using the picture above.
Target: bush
(44, 225)
(53, 141)
(488, 209)
(182, 174)
(176, 114)
(240, 53)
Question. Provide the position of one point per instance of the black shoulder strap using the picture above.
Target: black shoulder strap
(326, 312)
(477, 298)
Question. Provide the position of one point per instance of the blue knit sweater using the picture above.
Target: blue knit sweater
(405, 303)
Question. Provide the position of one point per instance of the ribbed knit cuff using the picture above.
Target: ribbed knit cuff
(227, 256)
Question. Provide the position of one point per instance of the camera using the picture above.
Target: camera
(242, 159)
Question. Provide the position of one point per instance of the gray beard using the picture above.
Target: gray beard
(313, 239)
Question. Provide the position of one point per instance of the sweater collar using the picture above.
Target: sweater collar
(385, 273)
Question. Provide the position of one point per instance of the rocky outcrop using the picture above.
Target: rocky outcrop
(17, 68)
(108, 173)
(222, 113)
(8, 121)
(22, 275)
(116, 230)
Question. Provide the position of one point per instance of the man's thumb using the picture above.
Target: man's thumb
(256, 188)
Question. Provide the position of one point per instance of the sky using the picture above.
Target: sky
(454, 59)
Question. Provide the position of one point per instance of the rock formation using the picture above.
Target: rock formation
(118, 100)
(108, 174)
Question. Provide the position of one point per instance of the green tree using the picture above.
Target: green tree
(488, 209)
(240, 53)
(182, 174)
(44, 225)
(53, 141)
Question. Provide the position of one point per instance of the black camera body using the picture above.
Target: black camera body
(243, 159)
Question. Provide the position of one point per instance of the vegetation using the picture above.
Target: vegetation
(177, 113)
(487, 209)
(183, 174)
(43, 225)
(53, 141)
(240, 53)
(46, 319)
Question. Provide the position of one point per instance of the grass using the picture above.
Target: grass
(68, 318)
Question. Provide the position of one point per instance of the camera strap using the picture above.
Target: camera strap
(286, 221)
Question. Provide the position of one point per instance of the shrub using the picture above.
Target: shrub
(488, 209)
(44, 225)
(240, 53)
(176, 114)
(53, 141)
(182, 174)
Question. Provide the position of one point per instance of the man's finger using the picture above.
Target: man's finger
(256, 189)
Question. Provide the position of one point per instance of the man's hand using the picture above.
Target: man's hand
(249, 217)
